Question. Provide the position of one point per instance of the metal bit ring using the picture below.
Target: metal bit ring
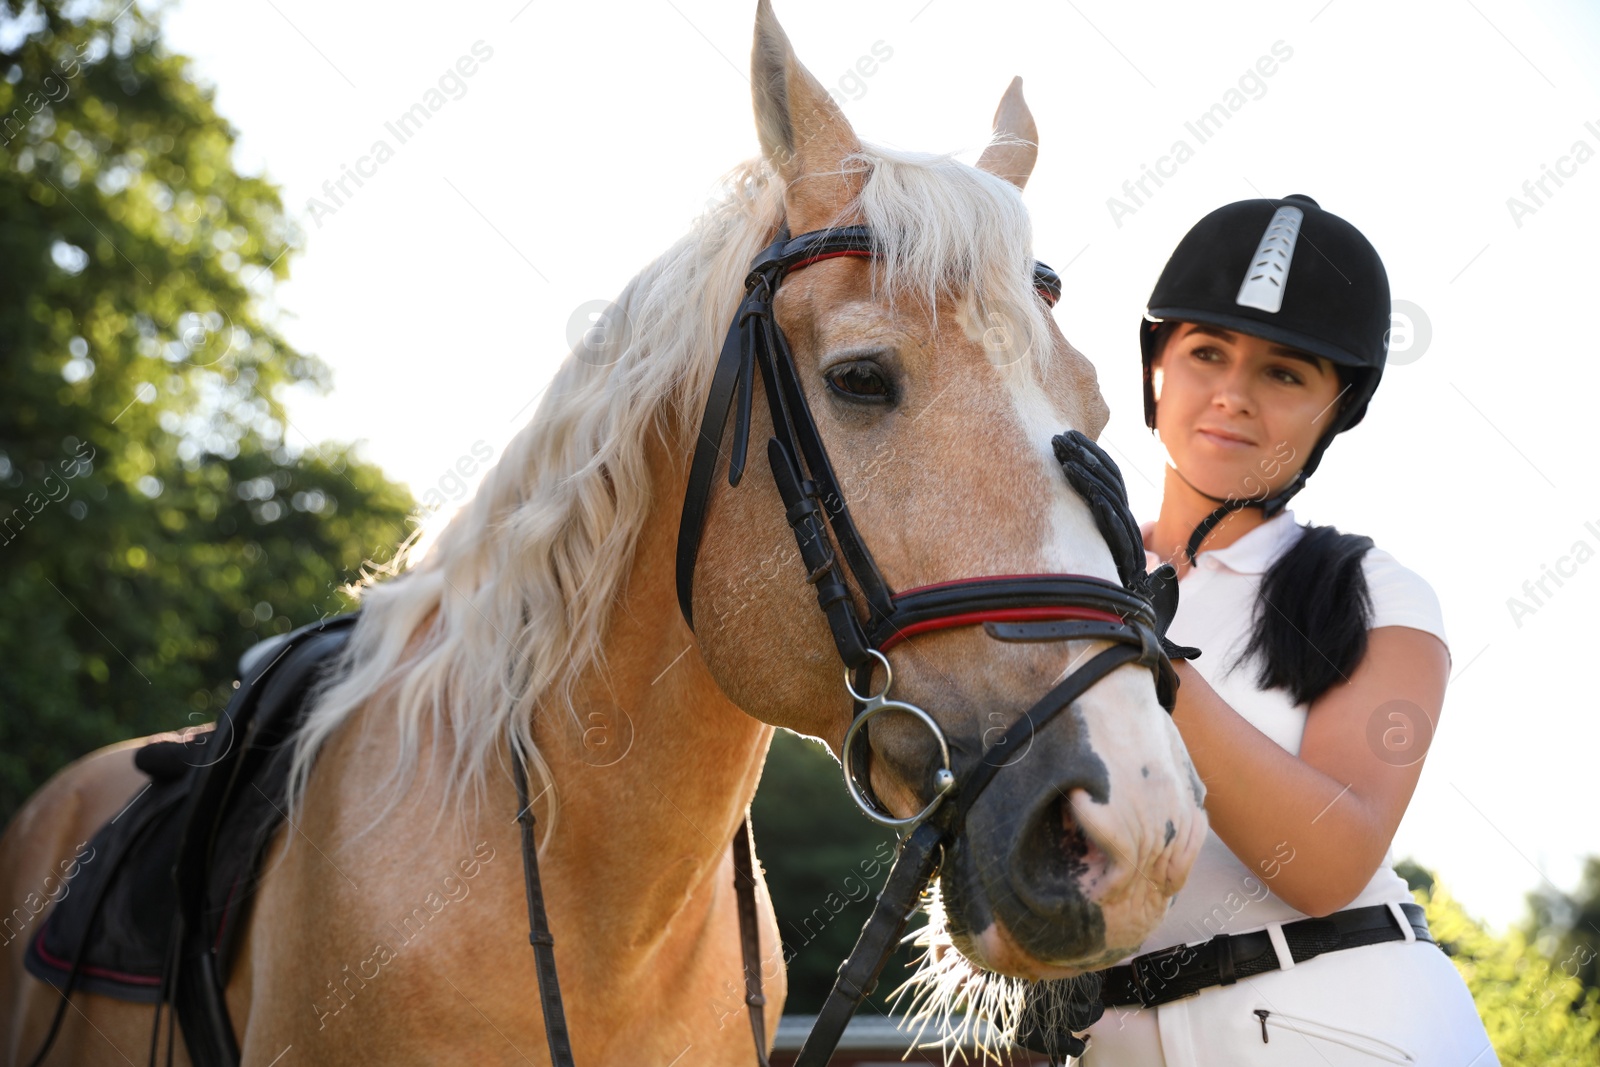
(944, 778)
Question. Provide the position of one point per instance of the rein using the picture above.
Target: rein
(1133, 615)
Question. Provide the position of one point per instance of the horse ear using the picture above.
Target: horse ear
(1015, 147)
(802, 131)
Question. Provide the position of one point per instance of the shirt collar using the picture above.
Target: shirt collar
(1251, 554)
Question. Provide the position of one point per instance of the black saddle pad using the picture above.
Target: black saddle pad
(119, 905)
(206, 816)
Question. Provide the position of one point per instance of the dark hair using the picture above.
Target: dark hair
(1311, 616)
(1313, 608)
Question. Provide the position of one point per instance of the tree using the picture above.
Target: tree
(155, 517)
(1569, 925)
(1534, 1007)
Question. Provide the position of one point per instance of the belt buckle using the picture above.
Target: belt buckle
(1143, 970)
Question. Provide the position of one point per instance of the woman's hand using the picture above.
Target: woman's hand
(1316, 826)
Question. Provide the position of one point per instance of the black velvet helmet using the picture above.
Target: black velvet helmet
(1291, 273)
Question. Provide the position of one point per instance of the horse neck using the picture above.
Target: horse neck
(656, 774)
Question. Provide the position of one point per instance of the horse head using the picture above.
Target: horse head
(936, 379)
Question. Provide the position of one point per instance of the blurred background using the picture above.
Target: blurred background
(279, 279)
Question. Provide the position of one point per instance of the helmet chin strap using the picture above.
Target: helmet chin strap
(1269, 506)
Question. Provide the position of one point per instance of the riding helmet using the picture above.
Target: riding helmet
(1289, 272)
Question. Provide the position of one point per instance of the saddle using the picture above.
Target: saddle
(157, 915)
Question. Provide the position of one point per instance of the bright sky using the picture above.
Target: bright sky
(445, 291)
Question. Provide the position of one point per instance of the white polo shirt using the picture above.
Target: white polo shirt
(1215, 601)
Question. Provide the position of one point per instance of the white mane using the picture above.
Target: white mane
(524, 577)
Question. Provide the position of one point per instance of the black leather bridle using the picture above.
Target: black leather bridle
(1132, 614)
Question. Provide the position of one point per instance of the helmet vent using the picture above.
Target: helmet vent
(1269, 267)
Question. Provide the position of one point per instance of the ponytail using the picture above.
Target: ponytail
(1311, 616)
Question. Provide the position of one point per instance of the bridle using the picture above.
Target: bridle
(1133, 615)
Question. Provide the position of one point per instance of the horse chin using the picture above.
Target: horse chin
(995, 950)
(988, 922)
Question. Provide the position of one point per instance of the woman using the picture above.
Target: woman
(1323, 676)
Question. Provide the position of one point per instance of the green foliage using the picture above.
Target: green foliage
(1536, 1011)
(1416, 876)
(825, 863)
(154, 518)
(1569, 925)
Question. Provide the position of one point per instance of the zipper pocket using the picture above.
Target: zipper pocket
(1372, 1046)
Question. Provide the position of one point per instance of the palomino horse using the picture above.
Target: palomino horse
(545, 612)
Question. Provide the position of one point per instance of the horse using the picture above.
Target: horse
(388, 921)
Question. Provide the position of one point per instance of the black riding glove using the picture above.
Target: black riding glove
(1095, 477)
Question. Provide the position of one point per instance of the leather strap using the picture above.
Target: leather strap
(800, 435)
(919, 856)
(744, 882)
(1046, 708)
(544, 945)
(753, 337)
(1183, 970)
(800, 463)
(1029, 595)
(555, 1020)
(806, 518)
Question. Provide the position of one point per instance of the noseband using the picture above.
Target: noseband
(1132, 614)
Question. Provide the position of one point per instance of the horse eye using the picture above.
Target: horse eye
(860, 381)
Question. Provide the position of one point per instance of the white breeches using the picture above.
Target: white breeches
(1393, 1002)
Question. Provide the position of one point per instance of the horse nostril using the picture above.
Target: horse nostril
(1076, 846)
(1052, 856)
